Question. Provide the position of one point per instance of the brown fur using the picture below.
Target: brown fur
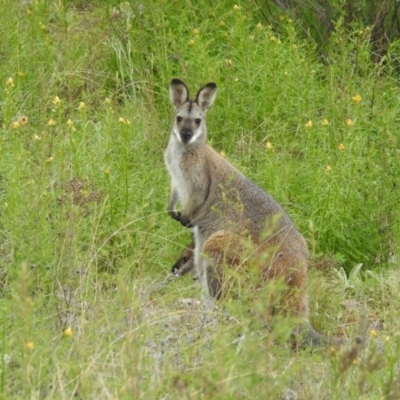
(226, 210)
(259, 263)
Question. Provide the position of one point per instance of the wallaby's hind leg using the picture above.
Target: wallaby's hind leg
(290, 264)
(272, 260)
(221, 248)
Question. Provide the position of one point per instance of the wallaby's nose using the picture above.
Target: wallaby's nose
(186, 135)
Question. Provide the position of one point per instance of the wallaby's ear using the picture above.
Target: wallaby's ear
(179, 92)
(206, 95)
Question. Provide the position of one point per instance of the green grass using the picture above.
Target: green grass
(86, 245)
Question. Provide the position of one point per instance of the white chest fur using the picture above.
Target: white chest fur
(173, 158)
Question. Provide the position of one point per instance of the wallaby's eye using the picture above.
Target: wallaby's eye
(185, 259)
(179, 119)
(197, 121)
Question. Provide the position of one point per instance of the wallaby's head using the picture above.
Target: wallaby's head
(189, 124)
(185, 262)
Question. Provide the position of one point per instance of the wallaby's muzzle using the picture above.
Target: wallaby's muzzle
(186, 135)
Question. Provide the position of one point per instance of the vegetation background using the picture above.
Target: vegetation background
(308, 107)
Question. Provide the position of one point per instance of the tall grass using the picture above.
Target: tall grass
(86, 246)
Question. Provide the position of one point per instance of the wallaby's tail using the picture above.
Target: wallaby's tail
(306, 336)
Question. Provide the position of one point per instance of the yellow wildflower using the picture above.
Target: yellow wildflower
(195, 32)
(341, 146)
(21, 74)
(15, 125)
(328, 168)
(387, 339)
(68, 332)
(373, 333)
(325, 122)
(281, 17)
(10, 82)
(50, 160)
(349, 122)
(107, 100)
(228, 62)
(272, 39)
(36, 137)
(29, 346)
(357, 98)
(236, 7)
(268, 145)
(259, 25)
(107, 171)
(223, 154)
(52, 122)
(124, 121)
(56, 101)
(191, 42)
(42, 26)
(69, 123)
(82, 106)
(309, 124)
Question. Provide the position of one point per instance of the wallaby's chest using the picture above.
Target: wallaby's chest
(179, 179)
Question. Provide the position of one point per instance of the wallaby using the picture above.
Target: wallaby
(222, 207)
(185, 262)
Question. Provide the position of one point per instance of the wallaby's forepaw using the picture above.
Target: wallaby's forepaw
(174, 214)
(185, 221)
